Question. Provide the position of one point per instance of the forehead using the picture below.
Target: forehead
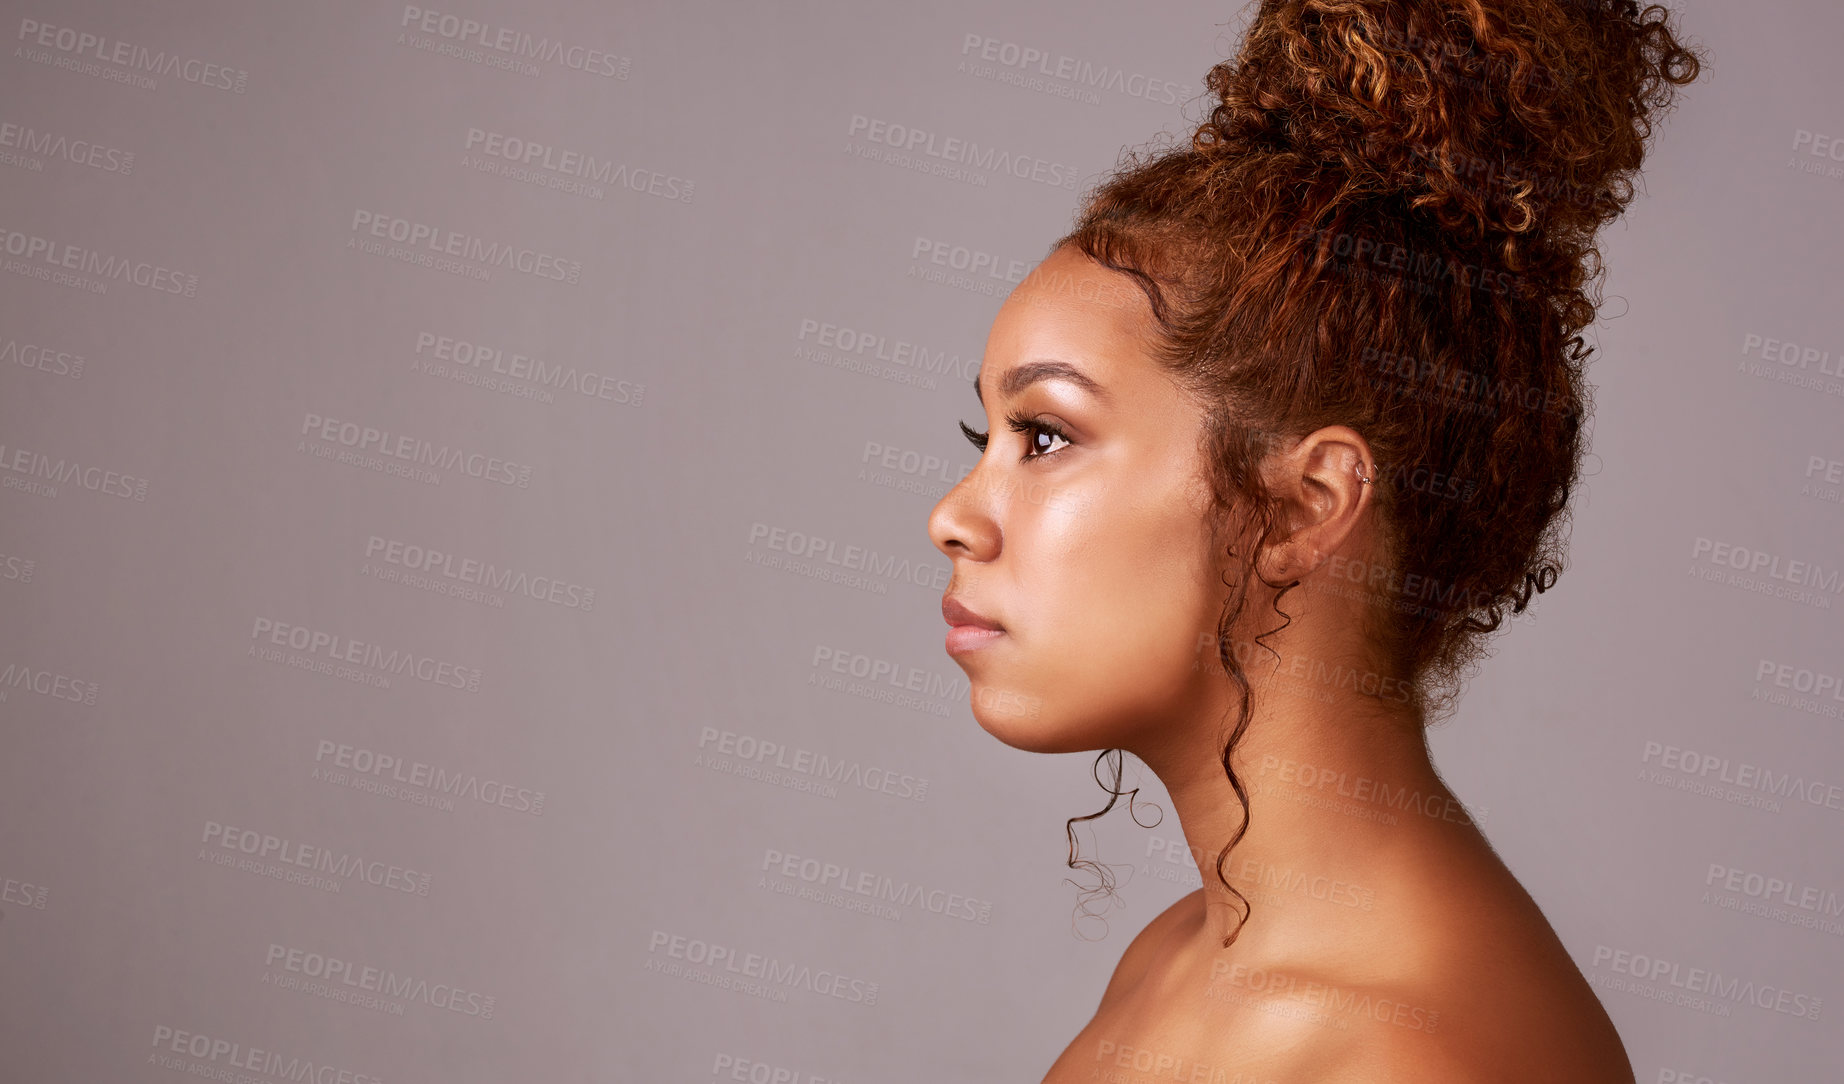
(1071, 309)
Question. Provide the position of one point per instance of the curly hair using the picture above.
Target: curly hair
(1388, 222)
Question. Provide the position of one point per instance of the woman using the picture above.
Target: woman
(1279, 434)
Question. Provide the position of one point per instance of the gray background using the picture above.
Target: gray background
(167, 501)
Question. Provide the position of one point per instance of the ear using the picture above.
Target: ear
(1319, 482)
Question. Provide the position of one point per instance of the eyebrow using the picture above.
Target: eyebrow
(1020, 377)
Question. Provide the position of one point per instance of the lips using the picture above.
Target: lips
(958, 615)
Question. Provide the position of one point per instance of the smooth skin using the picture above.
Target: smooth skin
(1388, 941)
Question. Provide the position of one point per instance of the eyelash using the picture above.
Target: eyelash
(1022, 423)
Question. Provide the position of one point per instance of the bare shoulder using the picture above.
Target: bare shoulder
(1472, 984)
(1503, 1024)
(1515, 1049)
(1511, 988)
(1454, 976)
(1145, 947)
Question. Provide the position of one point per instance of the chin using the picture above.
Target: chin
(1027, 722)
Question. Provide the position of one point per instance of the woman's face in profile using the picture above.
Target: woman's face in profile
(1086, 536)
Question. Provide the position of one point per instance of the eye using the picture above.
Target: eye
(1041, 436)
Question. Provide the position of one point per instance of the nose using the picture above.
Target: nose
(961, 525)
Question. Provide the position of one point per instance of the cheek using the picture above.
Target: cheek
(1117, 610)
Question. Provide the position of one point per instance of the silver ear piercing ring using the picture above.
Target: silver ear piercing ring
(1361, 476)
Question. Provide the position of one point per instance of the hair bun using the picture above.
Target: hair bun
(1497, 119)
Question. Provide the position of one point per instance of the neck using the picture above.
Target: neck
(1337, 785)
